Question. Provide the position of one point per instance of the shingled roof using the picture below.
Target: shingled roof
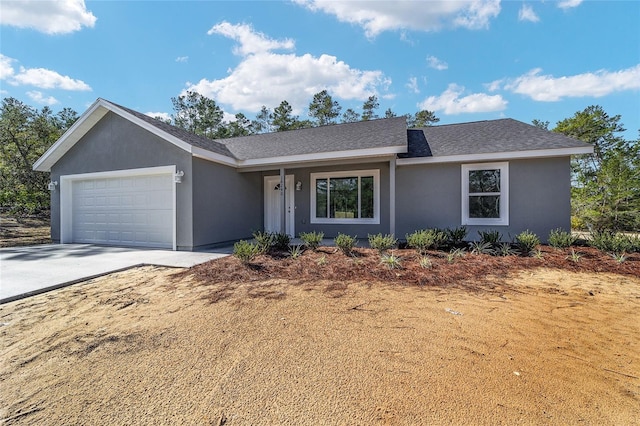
(188, 137)
(382, 133)
(485, 140)
(484, 137)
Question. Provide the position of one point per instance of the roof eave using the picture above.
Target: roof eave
(514, 155)
(306, 159)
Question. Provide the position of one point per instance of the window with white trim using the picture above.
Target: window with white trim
(345, 197)
(485, 194)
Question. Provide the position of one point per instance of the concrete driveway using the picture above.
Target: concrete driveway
(25, 271)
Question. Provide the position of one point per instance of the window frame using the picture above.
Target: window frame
(375, 220)
(503, 220)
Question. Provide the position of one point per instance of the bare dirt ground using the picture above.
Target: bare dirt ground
(24, 231)
(520, 341)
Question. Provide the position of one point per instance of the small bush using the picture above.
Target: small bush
(490, 237)
(312, 240)
(574, 256)
(427, 239)
(454, 254)
(478, 247)
(391, 261)
(345, 243)
(611, 242)
(456, 236)
(505, 249)
(264, 241)
(295, 252)
(561, 239)
(281, 241)
(381, 242)
(425, 262)
(634, 243)
(245, 251)
(527, 241)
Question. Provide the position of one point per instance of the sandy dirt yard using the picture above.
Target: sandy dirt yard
(24, 231)
(144, 346)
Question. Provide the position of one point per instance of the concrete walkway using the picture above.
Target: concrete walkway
(26, 271)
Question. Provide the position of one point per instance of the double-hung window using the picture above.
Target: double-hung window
(345, 197)
(485, 194)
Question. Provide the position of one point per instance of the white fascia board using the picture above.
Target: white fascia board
(82, 125)
(324, 156)
(516, 155)
(214, 157)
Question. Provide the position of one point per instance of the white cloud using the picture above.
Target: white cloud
(412, 85)
(567, 4)
(164, 115)
(266, 78)
(49, 17)
(526, 13)
(47, 79)
(376, 17)
(6, 67)
(451, 102)
(182, 59)
(40, 98)
(249, 40)
(494, 85)
(592, 84)
(38, 77)
(436, 63)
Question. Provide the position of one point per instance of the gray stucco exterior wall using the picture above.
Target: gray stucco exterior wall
(227, 205)
(430, 196)
(303, 201)
(117, 144)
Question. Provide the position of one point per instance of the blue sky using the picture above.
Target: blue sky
(465, 60)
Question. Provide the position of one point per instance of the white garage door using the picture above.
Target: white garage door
(126, 211)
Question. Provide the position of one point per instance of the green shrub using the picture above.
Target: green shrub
(345, 243)
(245, 251)
(425, 262)
(456, 236)
(478, 247)
(561, 239)
(381, 242)
(505, 249)
(490, 237)
(264, 241)
(295, 252)
(574, 256)
(527, 241)
(634, 243)
(281, 241)
(312, 240)
(611, 242)
(454, 254)
(391, 261)
(426, 239)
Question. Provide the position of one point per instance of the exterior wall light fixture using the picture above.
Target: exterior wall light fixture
(52, 185)
(298, 186)
(177, 177)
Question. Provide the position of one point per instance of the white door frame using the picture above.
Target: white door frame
(66, 195)
(273, 204)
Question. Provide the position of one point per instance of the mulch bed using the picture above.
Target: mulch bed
(468, 271)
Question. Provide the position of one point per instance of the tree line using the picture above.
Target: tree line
(202, 116)
(605, 185)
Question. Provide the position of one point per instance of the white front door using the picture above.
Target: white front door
(273, 205)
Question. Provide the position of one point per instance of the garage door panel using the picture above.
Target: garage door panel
(135, 210)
